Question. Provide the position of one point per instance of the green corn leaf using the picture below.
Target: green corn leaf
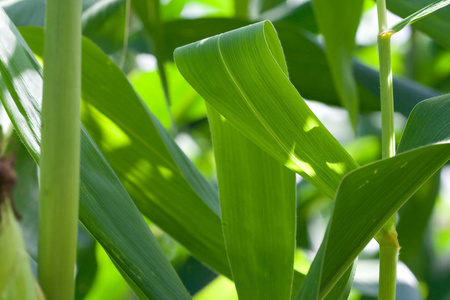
(106, 209)
(338, 22)
(257, 189)
(140, 151)
(243, 75)
(428, 124)
(434, 25)
(418, 15)
(369, 196)
(183, 204)
(308, 68)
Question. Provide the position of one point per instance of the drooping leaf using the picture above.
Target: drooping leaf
(255, 188)
(129, 136)
(434, 25)
(418, 15)
(243, 75)
(308, 68)
(370, 195)
(180, 201)
(104, 202)
(338, 22)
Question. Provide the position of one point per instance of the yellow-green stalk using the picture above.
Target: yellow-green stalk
(16, 278)
(60, 149)
(387, 236)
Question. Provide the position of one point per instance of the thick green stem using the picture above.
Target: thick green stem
(60, 149)
(387, 237)
(389, 250)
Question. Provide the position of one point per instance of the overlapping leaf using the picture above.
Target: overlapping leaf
(242, 74)
(106, 209)
(338, 22)
(369, 196)
(257, 198)
(140, 152)
(122, 127)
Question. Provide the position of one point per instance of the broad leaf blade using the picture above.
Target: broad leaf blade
(243, 75)
(420, 14)
(139, 150)
(257, 198)
(338, 22)
(308, 68)
(104, 201)
(369, 196)
(183, 204)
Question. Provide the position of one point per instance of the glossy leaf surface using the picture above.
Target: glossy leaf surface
(243, 75)
(122, 129)
(377, 191)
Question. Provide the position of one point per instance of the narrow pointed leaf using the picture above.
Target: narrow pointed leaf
(257, 199)
(243, 75)
(420, 14)
(434, 25)
(369, 196)
(106, 209)
(338, 22)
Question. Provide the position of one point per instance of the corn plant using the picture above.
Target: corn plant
(124, 166)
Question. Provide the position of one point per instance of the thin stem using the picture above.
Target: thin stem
(387, 237)
(60, 149)
(387, 96)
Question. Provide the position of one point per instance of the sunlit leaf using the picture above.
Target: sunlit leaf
(243, 75)
(370, 195)
(308, 68)
(179, 201)
(104, 202)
